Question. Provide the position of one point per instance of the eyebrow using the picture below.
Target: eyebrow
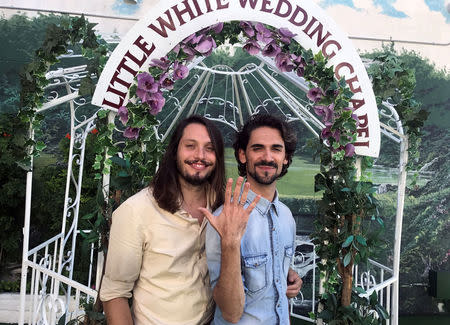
(258, 145)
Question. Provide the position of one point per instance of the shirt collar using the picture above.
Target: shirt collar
(264, 205)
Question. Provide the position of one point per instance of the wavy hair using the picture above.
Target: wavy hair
(165, 184)
(261, 120)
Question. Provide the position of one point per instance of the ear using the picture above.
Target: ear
(242, 158)
(285, 161)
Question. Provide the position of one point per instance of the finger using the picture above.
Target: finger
(253, 204)
(237, 189)
(209, 216)
(245, 193)
(228, 191)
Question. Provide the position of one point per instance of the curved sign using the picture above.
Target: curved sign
(168, 22)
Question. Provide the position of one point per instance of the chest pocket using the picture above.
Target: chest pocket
(288, 252)
(255, 272)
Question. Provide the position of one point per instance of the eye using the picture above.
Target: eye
(210, 149)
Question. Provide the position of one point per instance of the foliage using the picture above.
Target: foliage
(12, 187)
(347, 209)
(394, 82)
(70, 31)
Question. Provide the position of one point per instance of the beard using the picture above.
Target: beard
(264, 179)
(195, 179)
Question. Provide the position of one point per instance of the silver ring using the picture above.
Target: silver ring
(242, 204)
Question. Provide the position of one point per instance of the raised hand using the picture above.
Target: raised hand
(232, 221)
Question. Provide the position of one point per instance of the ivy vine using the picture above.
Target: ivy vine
(344, 234)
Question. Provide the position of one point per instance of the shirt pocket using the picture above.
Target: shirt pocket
(288, 252)
(255, 272)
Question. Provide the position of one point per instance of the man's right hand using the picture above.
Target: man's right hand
(232, 221)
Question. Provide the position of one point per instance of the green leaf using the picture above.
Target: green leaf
(347, 258)
(102, 113)
(348, 241)
(361, 240)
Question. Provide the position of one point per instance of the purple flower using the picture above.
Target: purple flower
(263, 34)
(326, 132)
(315, 94)
(188, 39)
(286, 35)
(355, 117)
(300, 63)
(123, 114)
(190, 52)
(325, 111)
(162, 63)
(217, 28)
(165, 82)
(176, 49)
(180, 71)
(147, 82)
(349, 150)
(131, 133)
(284, 63)
(271, 49)
(247, 27)
(336, 135)
(156, 103)
(252, 47)
(206, 45)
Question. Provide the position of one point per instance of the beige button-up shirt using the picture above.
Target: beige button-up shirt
(160, 259)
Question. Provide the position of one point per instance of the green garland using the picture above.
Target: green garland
(72, 31)
(343, 235)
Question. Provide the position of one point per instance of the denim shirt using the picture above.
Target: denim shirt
(267, 248)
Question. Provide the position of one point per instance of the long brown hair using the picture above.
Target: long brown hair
(165, 184)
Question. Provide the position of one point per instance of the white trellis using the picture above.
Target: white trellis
(251, 89)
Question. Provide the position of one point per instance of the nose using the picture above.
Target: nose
(199, 153)
(267, 155)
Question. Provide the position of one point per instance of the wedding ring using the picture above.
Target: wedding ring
(242, 203)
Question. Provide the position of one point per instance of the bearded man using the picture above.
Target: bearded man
(156, 252)
(249, 257)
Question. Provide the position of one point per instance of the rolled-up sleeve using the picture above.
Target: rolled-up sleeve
(124, 257)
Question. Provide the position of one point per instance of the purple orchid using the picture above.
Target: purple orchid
(188, 39)
(284, 63)
(300, 63)
(123, 114)
(131, 133)
(247, 27)
(263, 34)
(146, 86)
(176, 49)
(217, 28)
(190, 52)
(206, 45)
(166, 82)
(349, 150)
(327, 111)
(271, 49)
(180, 71)
(286, 35)
(163, 63)
(156, 103)
(252, 47)
(315, 94)
(326, 133)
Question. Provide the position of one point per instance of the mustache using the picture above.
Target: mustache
(204, 162)
(267, 163)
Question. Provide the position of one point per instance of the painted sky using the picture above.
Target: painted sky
(424, 21)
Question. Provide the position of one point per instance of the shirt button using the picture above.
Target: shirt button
(273, 229)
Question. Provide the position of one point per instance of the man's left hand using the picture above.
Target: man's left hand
(294, 284)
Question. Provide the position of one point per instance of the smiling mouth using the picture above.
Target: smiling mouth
(198, 164)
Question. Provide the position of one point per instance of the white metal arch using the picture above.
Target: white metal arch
(47, 262)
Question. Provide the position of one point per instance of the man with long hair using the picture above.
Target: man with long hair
(250, 268)
(156, 252)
